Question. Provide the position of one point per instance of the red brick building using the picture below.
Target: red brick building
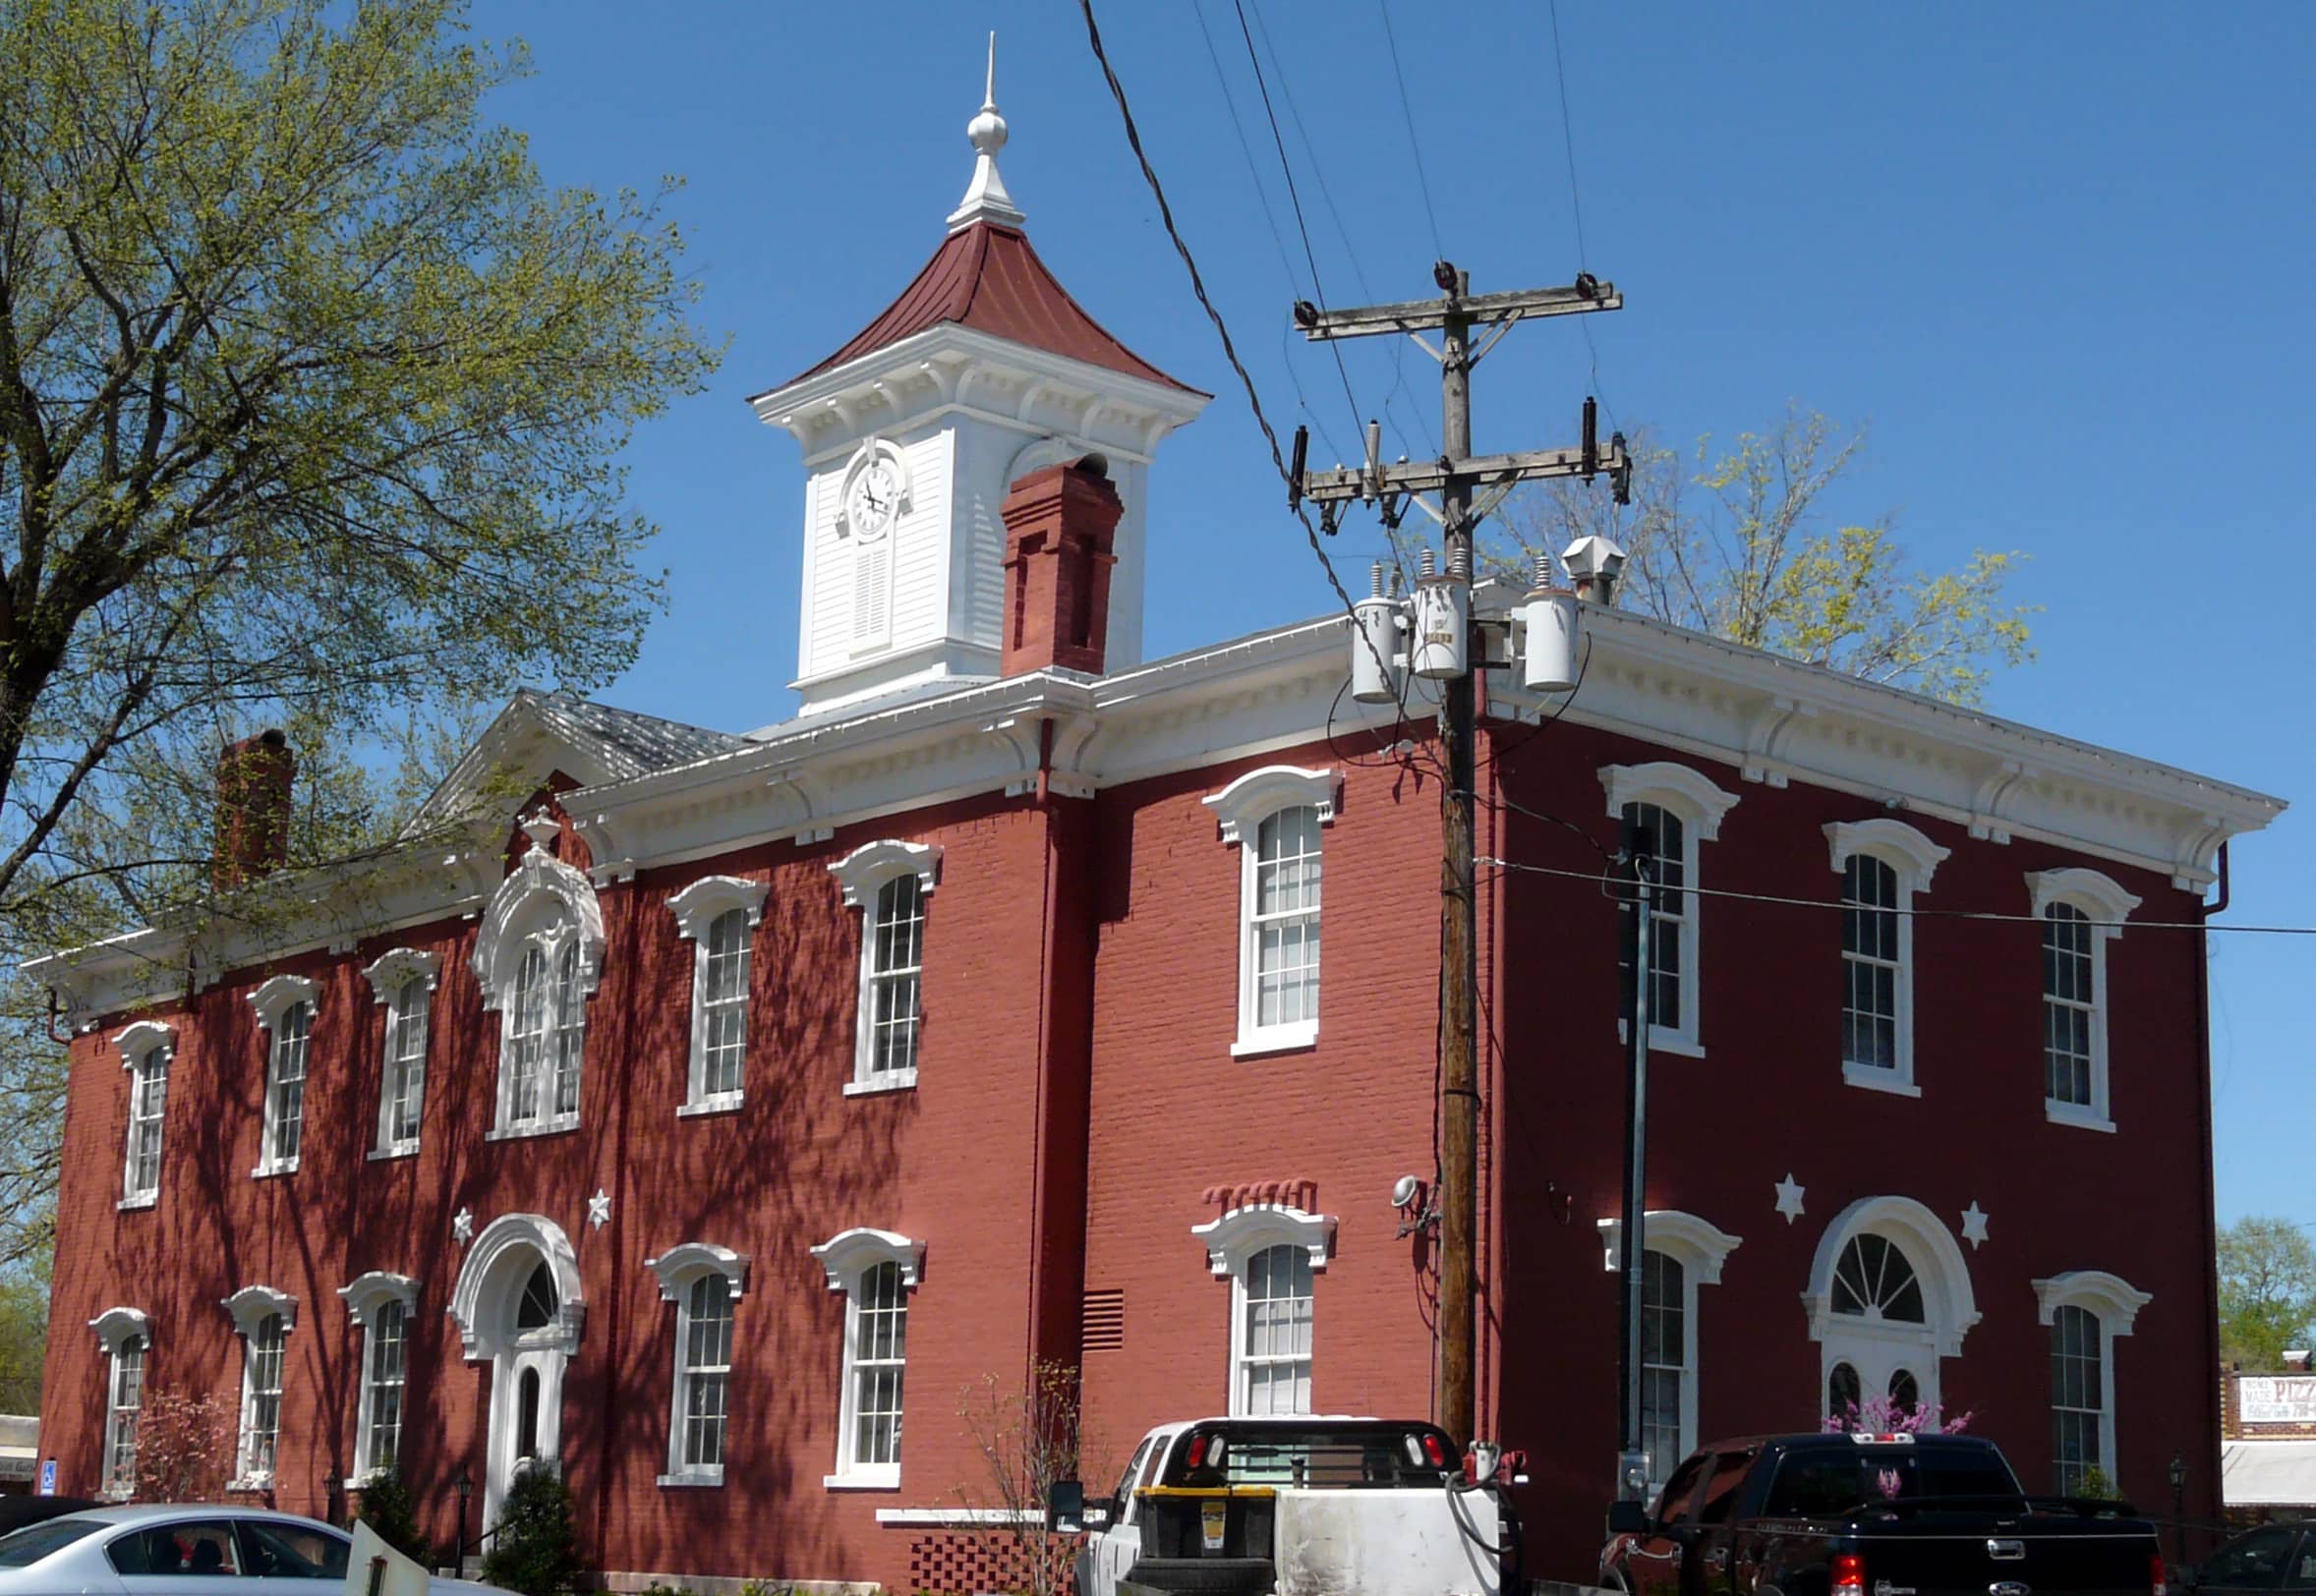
(734, 1099)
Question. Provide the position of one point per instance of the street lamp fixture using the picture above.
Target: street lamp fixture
(2178, 1473)
(465, 1485)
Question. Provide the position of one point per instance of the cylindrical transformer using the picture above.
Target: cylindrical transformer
(1549, 662)
(1375, 651)
(1442, 623)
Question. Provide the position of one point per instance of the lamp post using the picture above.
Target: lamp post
(465, 1487)
(2178, 1507)
(329, 1491)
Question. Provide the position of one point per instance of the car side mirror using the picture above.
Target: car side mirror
(1628, 1517)
(1065, 1508)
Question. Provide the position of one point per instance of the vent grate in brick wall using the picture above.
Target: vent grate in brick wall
(961, 1564)
(1104, 1324)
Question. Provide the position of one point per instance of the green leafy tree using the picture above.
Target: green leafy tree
(2267, 1292)
(386, 1507)
(1739, 542)
(535, 1544)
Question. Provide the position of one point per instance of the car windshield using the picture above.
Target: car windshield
(36, 1541)
(1821, 1482)
(1315, 1454)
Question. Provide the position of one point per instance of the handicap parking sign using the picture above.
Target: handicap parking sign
(49, 1477)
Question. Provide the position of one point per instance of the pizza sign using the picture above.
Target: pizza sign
(2276, 1399)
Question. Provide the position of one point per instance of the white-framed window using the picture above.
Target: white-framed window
(1671, 809)
(1680, 1252)
(125, 1335)
(539, 957)
(890, 883)
(380, 1304)
(1270, 1253)
(719, 916)
(1274, 816)
(285, 1014)
(705, 1282)
(263, 1317)
(403, 981)
(2081, 911)
(875, 1269)
(2086, 1310)
(145, 1048)
(1884, 862)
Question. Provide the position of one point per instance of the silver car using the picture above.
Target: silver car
(199, 1549)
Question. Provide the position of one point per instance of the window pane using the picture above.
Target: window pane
(880, 1347)
(1275, 1334)
(570, 1036)
(286, 1093)
(1659, 833)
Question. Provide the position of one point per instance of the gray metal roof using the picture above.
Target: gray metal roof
(646, 741)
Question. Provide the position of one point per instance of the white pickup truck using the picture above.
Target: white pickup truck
(1299, 1506)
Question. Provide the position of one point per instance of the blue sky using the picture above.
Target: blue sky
(2058, 255)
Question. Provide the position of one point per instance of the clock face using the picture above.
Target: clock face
(874, 499)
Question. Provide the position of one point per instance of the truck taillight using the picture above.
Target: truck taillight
(1849, 1574)
(1197, 1451)
(1433, 1453)
(2158, 1583)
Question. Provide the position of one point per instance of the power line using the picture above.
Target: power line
(1407, 113)
(1576, 204)
(1919, 914)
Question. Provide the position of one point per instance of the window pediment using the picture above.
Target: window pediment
(871, 864)
(372, 1292)
(1894, 842)
(2096, 894)
(1257, 794)
(115, 1326)
(275, 999)
(542, 893)
(1698, 1245)
(1949, 1303)
(140, 1039)
(1687, 792)
(392, 970)
(846, 1253)
(1244, 1231)
(250, 1305)
(698, 905)
(2114, 1300)
(685, 1263)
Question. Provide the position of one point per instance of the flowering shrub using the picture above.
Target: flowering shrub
(1878, 1415)
(184, 1447)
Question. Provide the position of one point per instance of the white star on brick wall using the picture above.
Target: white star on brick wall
(598, 1209)
(462, 1226)
(1789, 1198)
(1974, 1225)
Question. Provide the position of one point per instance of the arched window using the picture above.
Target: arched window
(145, 1050)
(704, 1282)
(1882, 863)
(2082, 911)
(1276, 815)
(889, 882)
(539, 957)
(122, 1333)
(1669, 809)
(1876, 1279)
(1844, 1392)
(260, 1397)
(404, 983)
(1680, 1252)
(1275, 1332)
(2086, 1310)
(380, 1303)
(285, 1014)
(527, 1417)
(718, 914)
(875, 1269)
(536, 1309)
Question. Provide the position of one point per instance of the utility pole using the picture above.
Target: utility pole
(1445, 646)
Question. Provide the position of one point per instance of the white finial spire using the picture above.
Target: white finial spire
(986, 198)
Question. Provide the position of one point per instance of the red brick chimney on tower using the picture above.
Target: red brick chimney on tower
(254, 778)
(1059, 527)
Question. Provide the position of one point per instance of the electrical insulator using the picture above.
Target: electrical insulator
(1375, 646)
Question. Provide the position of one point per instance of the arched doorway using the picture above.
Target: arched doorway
(519, 1308)
(1890, 1299)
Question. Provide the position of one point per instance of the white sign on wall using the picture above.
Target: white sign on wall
(2283, 1400)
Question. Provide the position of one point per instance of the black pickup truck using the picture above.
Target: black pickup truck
(1872, 1516)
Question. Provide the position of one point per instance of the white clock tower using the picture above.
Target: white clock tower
(982, 371)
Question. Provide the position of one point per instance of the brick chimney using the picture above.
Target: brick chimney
(1058, 526)
(254, 778)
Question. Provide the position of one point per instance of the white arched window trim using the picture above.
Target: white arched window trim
(1687, 793)
(678, 1268)
(250, 1308)
(2114, 1303)
(846, 1257)
(388, 974)
(861, 875)
(477, 1318)
(271, 1000)
(1949, 1299)
(2104, 903)
(1239, 809)
(547, 903)
(1699, 1247)
(1914, 859)
(697, 908)
(1233, 1241)
(115, 1329)
(142, 1047)
(364, 1296)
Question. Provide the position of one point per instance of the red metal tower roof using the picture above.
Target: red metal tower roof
(986, 276)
